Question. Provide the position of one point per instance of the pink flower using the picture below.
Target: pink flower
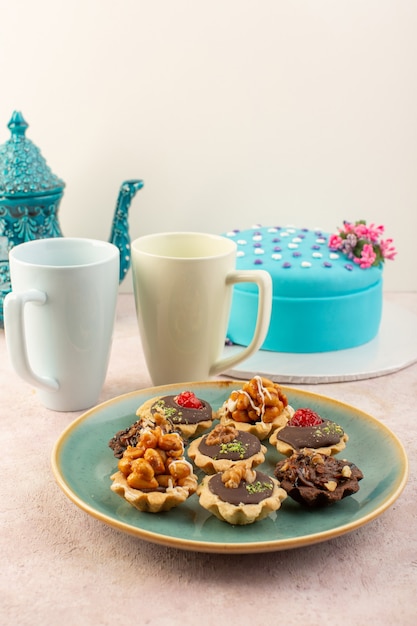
(375, 232)
(335, 242)
(361, 231)
(347, 228)
(388, 250)
(367, 257)
(363, 243)
(371, 232)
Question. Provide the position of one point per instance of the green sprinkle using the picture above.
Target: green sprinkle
(170, 412)
(234, 446)
(258, 487)
(329, 429)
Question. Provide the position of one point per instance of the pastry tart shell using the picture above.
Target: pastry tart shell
(154, 501)
(241, 514)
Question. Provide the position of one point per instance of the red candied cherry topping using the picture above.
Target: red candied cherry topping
(188, 400)
(305, 417)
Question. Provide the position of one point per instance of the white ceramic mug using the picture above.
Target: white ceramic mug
(183, 287)
(59, 317)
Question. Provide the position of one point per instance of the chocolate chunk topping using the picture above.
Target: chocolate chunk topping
(124, 438)
(316, 479)
(180, 414)
(243, 446)
(326, 434)
(246, 493)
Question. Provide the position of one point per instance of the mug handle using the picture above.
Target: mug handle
(264, 281)
(14, 327)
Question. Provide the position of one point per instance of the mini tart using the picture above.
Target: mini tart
(252, 498)
(315, 479)
(154, 501)
(327, 438)
(154, 475)
(259, 408)
(190, 422)
(225, 446)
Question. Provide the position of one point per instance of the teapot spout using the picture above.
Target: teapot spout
(119, 235)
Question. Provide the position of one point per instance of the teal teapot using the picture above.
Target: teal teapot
(30, 195)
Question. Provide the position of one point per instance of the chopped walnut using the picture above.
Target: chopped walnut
(240, 471)
(316, 458)
(221, 434)
(346, 471)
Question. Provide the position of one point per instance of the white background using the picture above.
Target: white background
(232, 111)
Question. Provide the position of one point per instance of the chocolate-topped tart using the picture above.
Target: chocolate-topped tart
(225, 446)
(192, 416)
(259, 407)
(306, 429)
(154, 475)
(315, 479)
(240, 495)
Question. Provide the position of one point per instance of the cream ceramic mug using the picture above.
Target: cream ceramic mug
(59, 317)
(183, 287)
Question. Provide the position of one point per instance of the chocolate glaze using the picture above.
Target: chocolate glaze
(326, 434)
(243, 446)
(180, 414)
(246, 493)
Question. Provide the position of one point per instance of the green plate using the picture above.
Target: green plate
(82, 464)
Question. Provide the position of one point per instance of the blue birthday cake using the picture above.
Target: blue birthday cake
(327, 289)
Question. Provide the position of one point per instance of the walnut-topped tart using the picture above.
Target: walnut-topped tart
(240, 495)
(223, 447)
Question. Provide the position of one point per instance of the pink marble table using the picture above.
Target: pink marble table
(60, 566)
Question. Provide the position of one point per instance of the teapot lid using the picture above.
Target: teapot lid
(23, 170)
